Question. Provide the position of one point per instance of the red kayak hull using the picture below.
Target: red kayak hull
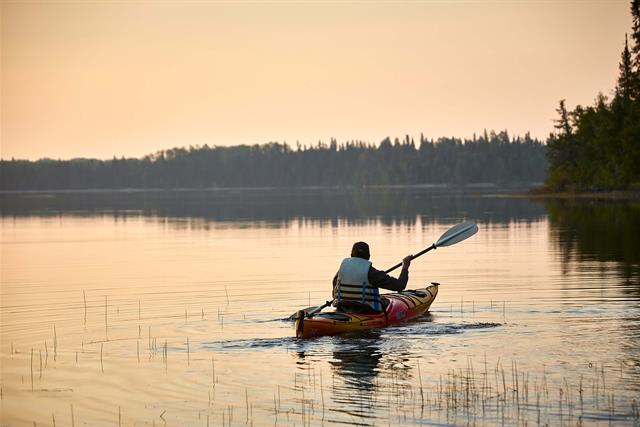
(403, 307)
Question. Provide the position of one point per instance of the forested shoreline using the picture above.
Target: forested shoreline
(490, 158)
(597, 147)
(594, 148)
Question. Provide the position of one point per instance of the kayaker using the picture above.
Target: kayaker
(356, 284)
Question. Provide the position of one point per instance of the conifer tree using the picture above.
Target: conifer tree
(563, 124)
(635, 49)
(631, 135)
(598, 147)
(624, 88)
(561, 152)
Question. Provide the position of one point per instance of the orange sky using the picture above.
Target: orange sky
(97, 79)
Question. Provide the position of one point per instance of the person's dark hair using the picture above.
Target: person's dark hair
(360, 250)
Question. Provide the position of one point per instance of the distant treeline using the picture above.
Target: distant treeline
(598, 147)
(495, 158)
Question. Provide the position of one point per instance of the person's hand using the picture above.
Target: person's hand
(406, 262)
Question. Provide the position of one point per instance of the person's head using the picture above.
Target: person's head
(360, 250)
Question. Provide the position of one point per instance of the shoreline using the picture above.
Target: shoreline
(350, 187)
(537, 193)
(480, 189)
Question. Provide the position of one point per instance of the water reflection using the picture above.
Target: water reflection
(370, 373)
(602, 231)
(600, 237)
(196, 208)
(356, 360)
(589, 313)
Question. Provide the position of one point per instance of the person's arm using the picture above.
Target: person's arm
(382, 280)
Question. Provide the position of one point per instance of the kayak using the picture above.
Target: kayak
(403, 307)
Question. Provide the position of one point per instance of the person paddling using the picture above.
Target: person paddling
(356, 284)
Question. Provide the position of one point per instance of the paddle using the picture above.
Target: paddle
(455, 234)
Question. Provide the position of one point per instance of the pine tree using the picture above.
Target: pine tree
(635, 49)
(631, 134)
(563, 124)
(624, 88)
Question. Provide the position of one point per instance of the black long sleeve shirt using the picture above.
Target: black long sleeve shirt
(380, 279)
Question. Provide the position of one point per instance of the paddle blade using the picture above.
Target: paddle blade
(457, 234)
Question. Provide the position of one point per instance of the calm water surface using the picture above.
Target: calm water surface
(167, 308)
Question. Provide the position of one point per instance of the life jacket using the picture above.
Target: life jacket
(353, 284)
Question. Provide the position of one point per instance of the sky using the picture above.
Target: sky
(101, 79)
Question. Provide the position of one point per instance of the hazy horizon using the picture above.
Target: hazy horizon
(98, 80)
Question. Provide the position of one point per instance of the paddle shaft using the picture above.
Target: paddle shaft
(422, 252)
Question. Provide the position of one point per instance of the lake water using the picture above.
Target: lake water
(167, 308)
